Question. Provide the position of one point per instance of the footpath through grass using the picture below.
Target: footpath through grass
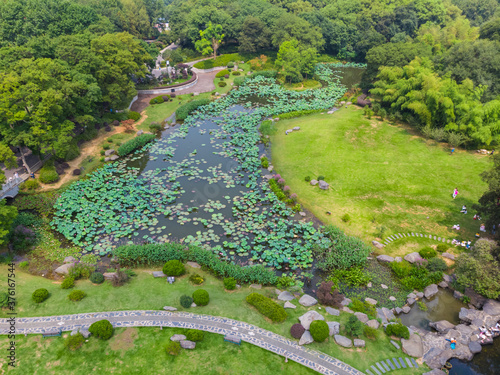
(144, 292)
(381, 175)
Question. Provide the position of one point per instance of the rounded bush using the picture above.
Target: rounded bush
(319, 330)
(173, 348)
(236, 73)
(196, 279)
(186, 301)
(428, 252)
(107, 128)
(48, 174)
(222, 73)
(230, 65)
(201, 297)
(297, 330)
(174, 268)
(436, 264)
(97, 278)
(115, 123)
(77, 172)
(30, 185)
(321, 178)
(370, 332)
(307, 179)
(76, 295)
(74, 342)
(102, 329)
(156, 100)
(195, 335)
(154, 127)
(442, 247)
(230, 283)
(134, 115)
(398, 330)
(222, 84)
(40, 295)
(67, 283)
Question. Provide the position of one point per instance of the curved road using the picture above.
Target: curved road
(317, 361)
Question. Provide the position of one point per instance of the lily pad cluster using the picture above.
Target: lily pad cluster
(202, 184)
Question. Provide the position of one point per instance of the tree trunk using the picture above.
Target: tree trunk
(24, 161)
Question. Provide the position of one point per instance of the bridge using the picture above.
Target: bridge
(11, 188)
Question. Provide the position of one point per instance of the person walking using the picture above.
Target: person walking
(452, 151)
(455, 193)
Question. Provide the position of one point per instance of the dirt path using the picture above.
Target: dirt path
(90, 148)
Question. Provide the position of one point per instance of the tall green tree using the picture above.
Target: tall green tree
(254, 35)
(489, 203)
(210, 41)
(288, 60)
(7, 216)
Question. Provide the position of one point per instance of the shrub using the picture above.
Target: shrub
(401, 269)
(229, 283)
(73, 152)
(346, 218)
(357, 306)
(319, 330)
(133, 115)
(264, 162)
(428, 252)
(329, 296)
(29, 185)
(236, 73)
(370, 332)
(81, 271)
(120, 278)
(24, 264)
(40, 295)
(196, 279)
(97, 278)
(173, 348)
(48, 174)
(321, 178)
(134, 144)
(77, 172)
(154, 127)
(398, 330)
(297, 330)
(230, 64)
(106, 147)
(67, 283)
(355, 276)
(238, 81)
(442, 248)
(174, 268)
(156, 254)
(422, 306)
(4, 299)
(102, 329)
(284, 282)
(186, 301)
(76, 295)
(74, 342)
(436, 264)
(267, 307)
(201, 297)
(185, 110)
(157, 100)
(222, 84)
(195, 335)
(265, 73)
(222, 73)
(107, 128)
(353, 326)
(307, 179)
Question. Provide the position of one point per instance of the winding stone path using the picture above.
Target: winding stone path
(270, 341)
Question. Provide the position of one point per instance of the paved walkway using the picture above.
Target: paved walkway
(270, 341)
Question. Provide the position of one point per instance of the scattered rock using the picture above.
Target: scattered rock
(384, 286)
(140, 132)
(347, 310)
(289, 305)
(359, 343)
(296, 128)
(476, 299)
(373, 323)
(256, 286)
(193, 304)
(114, 157)
(277, 291)
(307, 300)
(371, 301)
(285, 296)
(64, 269)
(159, 274)
(410, 301)
(343, 341)
(369, 285)
(345, 302)
(447, 278)
(413, 347)
(443, 284)
(457, 294)
(420, 295)
(392, 298)
(314, 182)
(110, 275)
(396, 345)
(323, 185)
(69, 259)
(332, 311)
(412, 295)
(398, 310)
(475, 347)
(406, 309)
(491, 307)
(302, 213)
(85, 333)
(306, 338)
(74, 332)
(193, 264)
(334, 328)
(186, 344)
(385, 315)
(363, 318)
(178, 337)
(309, 317)
(448, 255)
(413, 257)
(383, 258)
(169, 308)
(398, 259)
(431, 291)
(442, 326)
(109, 152)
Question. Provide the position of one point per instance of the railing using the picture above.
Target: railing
(16, 181)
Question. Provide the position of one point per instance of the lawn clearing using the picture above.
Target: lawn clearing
(382, 175)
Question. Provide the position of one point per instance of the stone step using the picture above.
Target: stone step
(402, 362)
(396, 362)
(369, 372)
(414, 363)
(381, 368)
(390, 364)
(386, 367)
(408, 361)
(376, 371)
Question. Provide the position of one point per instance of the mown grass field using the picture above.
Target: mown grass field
(381, 175)
(144, 292)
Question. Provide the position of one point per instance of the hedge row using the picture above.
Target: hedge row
(158, 254)
(222, 60)
(267, 307)
(185, 110)
(222, 73)
(135, 143)
(265, 73)
(293, 114)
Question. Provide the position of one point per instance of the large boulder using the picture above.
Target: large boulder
(385, 258)
(109, 152)
(323, 185)
(334, 328)
(306, 338)
(309, 317)
(442, 326)
(476, 299)
(385, 315)
(430, 291)
(186, 344)
(169, 308)
(492, 307)
(307, 300)
(69, 259)
(332, 311)
(286, 296)
(178, 337)
(359, 343)
(363, 318)
(413, 257)
(373, 323)
(314, 182)
(378, 245)
(371, 301)
(64, 269)
(85, 333)
(343, 341)
(475, 347)
(289, 305)
(413, 347)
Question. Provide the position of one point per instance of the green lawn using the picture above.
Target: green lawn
(228, 87)
(380, 174)
(144, 292)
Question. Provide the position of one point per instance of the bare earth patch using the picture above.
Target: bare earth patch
(124, 340)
